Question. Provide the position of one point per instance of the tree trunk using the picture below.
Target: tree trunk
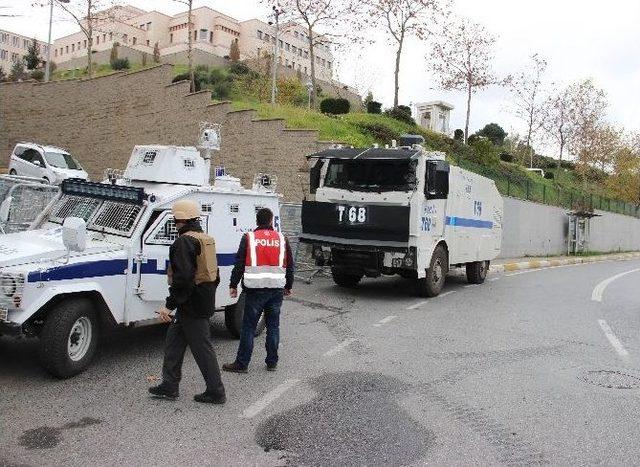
(559, 171)
(192, 79)
(396, 89)
(312, 56)
(466, 123)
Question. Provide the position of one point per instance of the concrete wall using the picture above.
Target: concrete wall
(102, 58)
(532, 229)
(101, 119)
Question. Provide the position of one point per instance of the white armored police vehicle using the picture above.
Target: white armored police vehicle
(97, 257)
(400, 210)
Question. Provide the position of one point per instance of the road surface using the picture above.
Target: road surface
(534, 367)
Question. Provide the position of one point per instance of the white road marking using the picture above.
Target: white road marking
(596, 296)
(617, 345)
(341, 346)
(471, 285)
(385, 320)
(417, 305)
(493, 279)
(445, 294)
(527, 271)
(268, 398)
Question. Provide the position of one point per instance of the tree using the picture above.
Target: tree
(32, 58)
(17, 71)
(526, 91)
(192, 80)
(461, 59)
(331, 16)
(624, 182)
(555, 121)
(113, 56)
(234, 51)
(402, 19)
(156, 53)
(494, 133)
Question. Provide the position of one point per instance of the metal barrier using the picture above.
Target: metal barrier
(22, 200)
(291, 226)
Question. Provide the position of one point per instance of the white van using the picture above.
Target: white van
(45, 162)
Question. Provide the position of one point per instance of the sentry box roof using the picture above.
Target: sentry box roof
(367, 154)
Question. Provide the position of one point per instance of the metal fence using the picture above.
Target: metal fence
(548, 192)
(23, 199)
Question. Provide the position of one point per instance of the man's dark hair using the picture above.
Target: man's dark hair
(264, 217)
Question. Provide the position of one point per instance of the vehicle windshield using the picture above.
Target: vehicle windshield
(62, 160)
(371, 175)
(107, 216)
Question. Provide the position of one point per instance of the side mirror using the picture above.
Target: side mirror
(437, 180)
(74, 234)
(5, 209)
(38, 163)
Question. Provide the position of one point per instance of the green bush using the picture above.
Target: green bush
(120, 64)
(484, 152)
(494, 133)
(374, 107)
(458, 135)
(333, 106)
(549, 175)
(401, 113)
(238, 68)
(380, 132)
(506, 157)
(216, 76)
(38, 75)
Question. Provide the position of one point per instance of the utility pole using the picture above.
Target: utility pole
(47, 70)
(274, 71)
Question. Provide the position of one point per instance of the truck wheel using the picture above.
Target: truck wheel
(431, 286)
(234, 314)
(69, 337)
(345, 280)
(477, 272)
(13, 172)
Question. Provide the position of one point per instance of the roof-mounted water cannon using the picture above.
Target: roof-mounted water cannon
(265, 182)
(210, 138)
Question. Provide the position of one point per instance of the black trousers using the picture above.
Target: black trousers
(194, 332)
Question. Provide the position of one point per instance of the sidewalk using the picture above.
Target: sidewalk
(517, 264)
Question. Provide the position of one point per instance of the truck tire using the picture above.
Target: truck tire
(432, 284)
(477, 272)
(69, 337)
(345, 280)
(234, 314)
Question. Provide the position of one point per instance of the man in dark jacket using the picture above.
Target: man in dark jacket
(193, 279)
(264, 263)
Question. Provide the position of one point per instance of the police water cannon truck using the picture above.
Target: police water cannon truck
(98, 256)
(400, 210)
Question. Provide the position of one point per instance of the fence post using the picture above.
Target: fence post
(571, 199)
(544, 194)
(527, 191)
(591, 202)
(508, 186)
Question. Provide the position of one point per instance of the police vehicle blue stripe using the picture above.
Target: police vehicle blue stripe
(465, 222)
(81, 270)
(104, 268)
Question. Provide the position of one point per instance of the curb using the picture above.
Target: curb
(550, 263)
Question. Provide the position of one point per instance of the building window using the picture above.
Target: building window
(287, 46)
(203, 34)
(3, 54)
(267, 37)
(305, 70)
(306, 54)
(211, 36)
(110, 36)
(55, 53)
(125, 38)
(195, 35)
(66, 49)
(142, 26)
(147, 42)
(148, 26)
(171, 38)
(280, 43)
(14, 41)
(294, 49)
(329, 65)
(104, 38)
(296, 34)
(135, 40)
(300, 52)
(97, 40)
(259, 34)
(73, 47)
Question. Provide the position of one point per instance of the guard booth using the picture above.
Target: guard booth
(579, 231)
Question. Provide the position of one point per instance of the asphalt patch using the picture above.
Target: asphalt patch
(46, 437)
(354, 419)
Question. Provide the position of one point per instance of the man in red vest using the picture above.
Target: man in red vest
(264, 263)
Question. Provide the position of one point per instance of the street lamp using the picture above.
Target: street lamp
(47, 69)
(309, 91)
(274, 74)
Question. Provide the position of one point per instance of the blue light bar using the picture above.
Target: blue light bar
(123, 194)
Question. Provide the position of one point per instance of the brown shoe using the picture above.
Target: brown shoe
(234, 368)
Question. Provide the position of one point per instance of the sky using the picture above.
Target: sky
(578, 38)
